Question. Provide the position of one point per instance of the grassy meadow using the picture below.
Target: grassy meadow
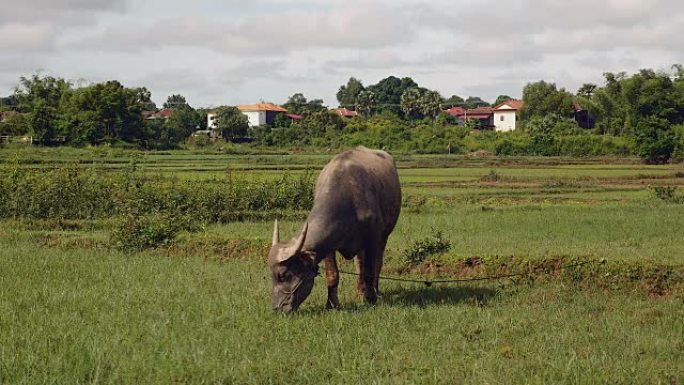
(75, 308)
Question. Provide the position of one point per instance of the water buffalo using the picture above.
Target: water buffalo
(357, 200)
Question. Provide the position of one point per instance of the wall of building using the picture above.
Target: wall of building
(256, 118)
(505, 120)
(210, 120)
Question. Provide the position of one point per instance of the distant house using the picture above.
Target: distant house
(345, 113)
(506, 115)
(257, 114)
(164, 113)
(456, 112)
(582, 116)
(500, 118)
(261, 113)
(483, 116)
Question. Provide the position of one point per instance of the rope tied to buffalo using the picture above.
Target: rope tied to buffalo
(430, 282)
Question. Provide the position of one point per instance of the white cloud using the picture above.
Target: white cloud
(233, 52)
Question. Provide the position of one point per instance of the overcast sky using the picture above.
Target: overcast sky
(228, 52)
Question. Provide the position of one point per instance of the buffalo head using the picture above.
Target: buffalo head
(292, 271)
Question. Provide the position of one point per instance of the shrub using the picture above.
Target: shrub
(139, 232)
(667, 194)
(74, 193)
(493, 176)
(424, 248)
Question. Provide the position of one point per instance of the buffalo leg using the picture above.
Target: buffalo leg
(378, 267)
(332, 278)
(366, 268)
(359, 265)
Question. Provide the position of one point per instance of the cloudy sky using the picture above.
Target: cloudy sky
(231, 52)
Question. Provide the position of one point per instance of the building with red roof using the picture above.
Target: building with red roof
(164, 113)
(345, 113)
(506, 115)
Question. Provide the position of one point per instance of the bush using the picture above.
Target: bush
(424, 248)
(655, 140)
(139, 232)
(667, 194)
(75, 193)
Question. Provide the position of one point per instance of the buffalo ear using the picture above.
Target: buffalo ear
(287, 252)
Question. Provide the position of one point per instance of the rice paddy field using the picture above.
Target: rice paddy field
(595, 244)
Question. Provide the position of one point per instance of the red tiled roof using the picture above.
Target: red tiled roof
(346, 113)
(165, 113)
(479, 113)
(294, 116)
(478, 116)
(456, 111)
(161, 114)
(261, 107)
(513, 104)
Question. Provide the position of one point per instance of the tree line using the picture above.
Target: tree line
(53, 111)
(643, 112)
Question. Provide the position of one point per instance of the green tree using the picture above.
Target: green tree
(655, 140)
(15, 124)
(474, 102)
(176, 101)
(388, 92)
(46, 91)
(232, 123)
(431, 103)
(501, 98)
(542, 99)
(42, 120)
(145, 99)
(411, 103)
(366, 103)
(299, 104)
(348, 94)
(102, 112)
(587, 90)
(454, 100)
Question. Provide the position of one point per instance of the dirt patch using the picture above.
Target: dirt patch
(654, 281)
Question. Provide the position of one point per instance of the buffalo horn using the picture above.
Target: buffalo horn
(276, 234)
(290, 251)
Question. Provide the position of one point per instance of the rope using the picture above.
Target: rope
(430, 282)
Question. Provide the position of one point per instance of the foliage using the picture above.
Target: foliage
(389, 90)
(75, 193)
(102, 112)
(232, 123)
(366, 103)
(419, 251)
(454, 100)
(299, 104)
(667, 193)
(542, 99)
(474, 102)
(139, 232)
(15, 124)
(500, 99)
(655, 140)
(431, 104)
(410, 103)
(176, 101)
(348, 94)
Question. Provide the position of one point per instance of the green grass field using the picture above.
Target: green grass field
(73, 309)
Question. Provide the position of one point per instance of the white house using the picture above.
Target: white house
(258, 114)
(506, 115)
